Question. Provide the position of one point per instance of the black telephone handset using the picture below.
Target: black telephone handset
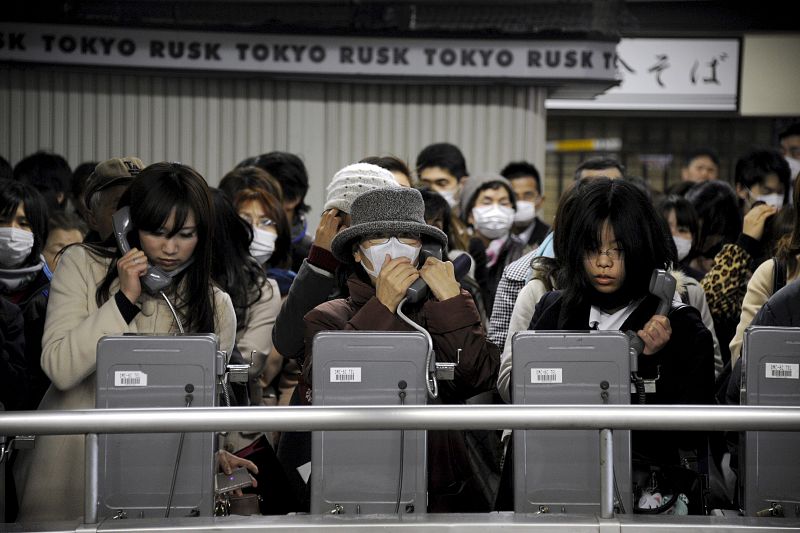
(155, 280)
(418, 290)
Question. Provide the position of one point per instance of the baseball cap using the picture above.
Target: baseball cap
(115, 171)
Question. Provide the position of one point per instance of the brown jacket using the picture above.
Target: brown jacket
(453, 324)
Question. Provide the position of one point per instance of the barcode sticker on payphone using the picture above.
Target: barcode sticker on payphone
(345, 375)
(130, 378)
(547, 375)
(783, 371)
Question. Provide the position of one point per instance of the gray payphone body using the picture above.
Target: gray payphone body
(770, 460)
(559, 471)
(356, 472)
(135, 470)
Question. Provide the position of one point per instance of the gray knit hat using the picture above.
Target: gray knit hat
(390, 210)
(476, 182)
(353, 181)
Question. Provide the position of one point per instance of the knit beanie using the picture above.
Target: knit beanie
(353, 181)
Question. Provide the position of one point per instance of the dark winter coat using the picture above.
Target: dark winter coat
(453, 324)
(685, 367)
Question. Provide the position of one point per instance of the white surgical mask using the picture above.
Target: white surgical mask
(377, 254)
(683, 245)
(493, 221)
(774, 199)
(450, 196)
(263, 245)
(794, 169)
(15, 246)
(526, 212)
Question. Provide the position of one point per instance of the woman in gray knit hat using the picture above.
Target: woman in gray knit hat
(381, 248)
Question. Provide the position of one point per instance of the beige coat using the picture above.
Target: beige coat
(254, 340)
(50, 478)
(759, 290)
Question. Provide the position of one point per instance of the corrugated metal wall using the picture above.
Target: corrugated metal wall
(213, 122)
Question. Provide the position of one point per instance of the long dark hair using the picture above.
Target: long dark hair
(717, 208)
(232, 266)
(789, 247)
(637, 228)
(152, 196)
(12, 195)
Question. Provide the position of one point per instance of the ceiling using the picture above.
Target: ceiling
(423, 18)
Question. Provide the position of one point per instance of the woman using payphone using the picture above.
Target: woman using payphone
(387, 248)
(156, 280)
(606, 252)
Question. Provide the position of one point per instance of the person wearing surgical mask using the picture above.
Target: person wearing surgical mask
(442, 168)
(789, 140)
(527, 185)
(762, 176)
(257, 198)
(256, 299)
(488, 208)
(381, 251)
(684, 227)
(24, 274)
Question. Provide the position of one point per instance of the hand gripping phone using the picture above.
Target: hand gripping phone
(662, 285)
(419, 289)
(238, 479)
(155, 280)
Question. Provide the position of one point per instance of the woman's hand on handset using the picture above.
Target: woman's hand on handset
(131, 267)
(441, 278)
(655, 334)
(393, 281)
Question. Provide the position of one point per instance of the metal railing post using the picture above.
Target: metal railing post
(3, 442)
(90, 479)
(606, 473)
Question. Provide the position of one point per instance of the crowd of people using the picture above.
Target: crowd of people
(239, 261)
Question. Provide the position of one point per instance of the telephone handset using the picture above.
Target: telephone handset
(419, 289)
(155, 280)
(662, 285)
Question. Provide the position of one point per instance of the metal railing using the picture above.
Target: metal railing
(604, 418)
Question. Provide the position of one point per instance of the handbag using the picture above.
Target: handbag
(273, 487)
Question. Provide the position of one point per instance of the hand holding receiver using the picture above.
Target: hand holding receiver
(440, 278)
(655, 334)
(130, 268)
(394, 279)
(329, 225)
(154, 279)
(419, 289)
(657, 331)
(753, 224)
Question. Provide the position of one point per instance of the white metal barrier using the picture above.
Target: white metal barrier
(604, 418)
